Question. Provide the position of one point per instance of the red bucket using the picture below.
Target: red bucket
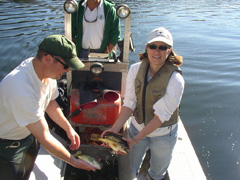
(104, 113)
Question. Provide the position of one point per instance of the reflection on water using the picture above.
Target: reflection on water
(206, 34)
(23, 24)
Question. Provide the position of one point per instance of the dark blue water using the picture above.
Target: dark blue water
(206, 33)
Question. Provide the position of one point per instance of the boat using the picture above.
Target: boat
(91, 99)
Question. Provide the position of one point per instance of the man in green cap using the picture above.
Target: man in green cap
(26, 94)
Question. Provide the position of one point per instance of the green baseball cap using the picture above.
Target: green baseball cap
(60, 45)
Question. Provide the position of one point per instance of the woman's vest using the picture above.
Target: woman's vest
(149, 92)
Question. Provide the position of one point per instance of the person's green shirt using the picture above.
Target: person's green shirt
(112, 30)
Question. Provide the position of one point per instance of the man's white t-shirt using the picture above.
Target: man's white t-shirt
(23, 100)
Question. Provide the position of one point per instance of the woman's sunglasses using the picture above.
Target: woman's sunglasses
(161, 48)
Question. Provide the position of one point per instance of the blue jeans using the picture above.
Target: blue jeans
(161, 148)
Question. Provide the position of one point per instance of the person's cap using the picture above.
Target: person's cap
(60, 45)
(161, 34)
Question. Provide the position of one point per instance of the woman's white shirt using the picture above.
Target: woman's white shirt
(164, 107)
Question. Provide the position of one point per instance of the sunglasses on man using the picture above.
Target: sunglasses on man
(65, 66)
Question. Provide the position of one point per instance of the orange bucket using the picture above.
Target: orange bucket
(104, 113)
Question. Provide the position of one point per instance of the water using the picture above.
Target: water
(206, 34)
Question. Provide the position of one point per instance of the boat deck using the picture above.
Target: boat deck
(184, 165)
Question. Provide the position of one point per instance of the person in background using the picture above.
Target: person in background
(154, 89)
(95, 27)
(26, 94)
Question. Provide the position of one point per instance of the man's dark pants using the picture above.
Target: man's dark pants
(17, 158)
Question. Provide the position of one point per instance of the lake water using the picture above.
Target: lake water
(205, 32)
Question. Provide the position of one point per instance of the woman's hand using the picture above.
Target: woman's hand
(109, 130)
(105, 132)
(130, 142)
(115, 132)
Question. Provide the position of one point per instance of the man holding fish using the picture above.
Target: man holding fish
(26, 94)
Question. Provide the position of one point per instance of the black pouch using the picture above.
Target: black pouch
(15, 150)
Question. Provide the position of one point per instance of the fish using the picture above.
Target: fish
(114, 141)
(89, 159)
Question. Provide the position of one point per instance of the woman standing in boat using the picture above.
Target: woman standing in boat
(154, 89)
